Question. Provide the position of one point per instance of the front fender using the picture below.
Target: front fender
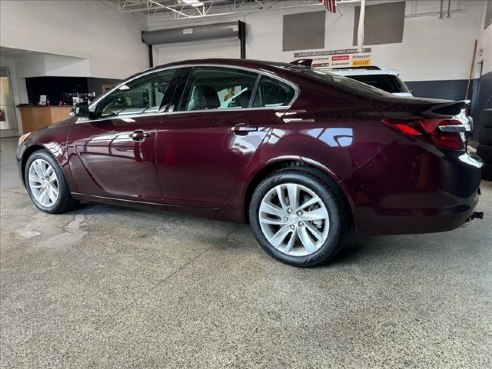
(52, 139)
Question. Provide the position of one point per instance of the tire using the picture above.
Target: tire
(485, 136)
(43, 179)
(486, 118)
(487, 171)
(485, 153)
(290, 223)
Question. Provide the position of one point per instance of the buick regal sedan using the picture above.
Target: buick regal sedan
(302, 156)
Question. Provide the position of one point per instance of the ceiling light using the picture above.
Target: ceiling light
(191, 2)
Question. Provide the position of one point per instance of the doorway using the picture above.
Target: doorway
(8, 121)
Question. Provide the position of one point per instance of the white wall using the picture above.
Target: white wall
(109, 40)
(484, 49)
(42, 65)
(432, 48)
(57, 65)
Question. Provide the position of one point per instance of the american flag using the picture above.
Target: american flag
(329, 5)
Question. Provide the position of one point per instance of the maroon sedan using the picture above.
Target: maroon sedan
(303, 156)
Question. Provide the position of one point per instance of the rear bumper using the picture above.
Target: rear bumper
(388, 221)
(425, 191)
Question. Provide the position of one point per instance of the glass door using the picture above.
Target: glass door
(8, 124)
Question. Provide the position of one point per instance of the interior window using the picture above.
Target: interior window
(273, 93)
(218, 88)
(142, 95)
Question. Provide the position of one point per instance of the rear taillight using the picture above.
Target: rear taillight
(444, 134)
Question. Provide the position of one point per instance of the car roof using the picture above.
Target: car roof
(244, 63)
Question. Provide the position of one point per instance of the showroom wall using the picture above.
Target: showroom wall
(434, 57)
(90, 30)
(484, 55)
(68, 38)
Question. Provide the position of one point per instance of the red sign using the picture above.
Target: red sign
(339, 57)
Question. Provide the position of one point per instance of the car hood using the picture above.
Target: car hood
(66, 122)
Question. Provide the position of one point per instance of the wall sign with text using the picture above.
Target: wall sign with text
(342, 58)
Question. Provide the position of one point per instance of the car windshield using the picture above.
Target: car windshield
(386, 82)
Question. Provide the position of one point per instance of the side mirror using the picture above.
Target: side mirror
(80, 110)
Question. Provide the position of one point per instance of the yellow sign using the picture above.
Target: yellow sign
(361, 62)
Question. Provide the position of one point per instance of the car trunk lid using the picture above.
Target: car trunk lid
(443, 123)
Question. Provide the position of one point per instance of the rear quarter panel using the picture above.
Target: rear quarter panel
(336, 132)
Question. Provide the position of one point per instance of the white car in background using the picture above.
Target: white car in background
(384, 79)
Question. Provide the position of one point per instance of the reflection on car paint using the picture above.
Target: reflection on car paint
(333, 137)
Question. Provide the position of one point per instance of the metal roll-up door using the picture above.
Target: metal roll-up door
(222, 40)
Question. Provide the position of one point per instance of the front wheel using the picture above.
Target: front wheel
(46, 184)
(298, 219)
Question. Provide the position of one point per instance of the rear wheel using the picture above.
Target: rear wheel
(46, 184)
(298, 219)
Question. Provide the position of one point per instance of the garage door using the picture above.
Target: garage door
(219, 48)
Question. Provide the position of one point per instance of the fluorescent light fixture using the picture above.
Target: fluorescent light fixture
(192, 2)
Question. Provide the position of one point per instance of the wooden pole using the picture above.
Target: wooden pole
(360, 31)
(471, 70)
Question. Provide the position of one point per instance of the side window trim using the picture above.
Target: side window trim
(172, 84)
(167, 96)
(184, 85)
(188, 68)
(255, 89)
(177, 83)
(185, 95)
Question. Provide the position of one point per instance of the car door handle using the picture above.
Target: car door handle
(243, 129)
(139, 135)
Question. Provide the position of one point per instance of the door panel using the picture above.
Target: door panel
(202, 150)
(113, 155)
(107, 161)
(199, 156)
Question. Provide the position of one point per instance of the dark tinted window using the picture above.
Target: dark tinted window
(142, 95)
(385, 82)
(218, 88)
(273, 93)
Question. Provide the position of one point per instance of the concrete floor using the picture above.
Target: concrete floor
(109, 287)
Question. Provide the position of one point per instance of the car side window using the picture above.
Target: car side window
(273, 93)
(142, 95)
(218, 88)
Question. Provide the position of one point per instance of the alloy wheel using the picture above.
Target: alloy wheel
(43, 183)
(294, 219)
